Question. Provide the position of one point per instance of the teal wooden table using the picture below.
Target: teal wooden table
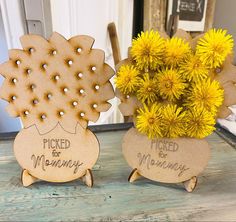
(114, 199)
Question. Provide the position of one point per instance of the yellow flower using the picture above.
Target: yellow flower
(149, 121)
(170, 84)
(193, 69)
(206, 94)
(127, 79)
(147, 50)
(147, 91)
(199, 122)
(214, 46)
(173, 121)
(176, 50)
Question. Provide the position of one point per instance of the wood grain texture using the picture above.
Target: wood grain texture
(114, 42)
(154, 15)
(113, 198)
(210, 11)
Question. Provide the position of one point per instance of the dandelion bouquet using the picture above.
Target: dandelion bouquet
(175, 83)
(175, 89)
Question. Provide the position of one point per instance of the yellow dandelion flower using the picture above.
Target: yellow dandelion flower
(147, 91)
(173, 121)
(199, 123)
(148, 121)
(206, 94)
(193, 69)
(127, 79)
(214, 46)
(147, 50)
(176, 50)
(170, 84)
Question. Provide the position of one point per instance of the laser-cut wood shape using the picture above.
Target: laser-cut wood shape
(56, 156)
(56, 86)
(148, 158)
(165, 160)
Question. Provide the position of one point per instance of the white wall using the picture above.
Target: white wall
(14, 25)
(7, 124)
(225, 17)
(91, 17)
(70, 17)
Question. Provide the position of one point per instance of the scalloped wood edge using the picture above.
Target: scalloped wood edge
(62, 93)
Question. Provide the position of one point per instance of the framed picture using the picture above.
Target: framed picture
(191, 14)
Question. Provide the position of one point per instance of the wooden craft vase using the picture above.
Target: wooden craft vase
(58, 155)
(56, 87)
(165, 160)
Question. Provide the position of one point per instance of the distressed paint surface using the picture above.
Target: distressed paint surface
(113, 198)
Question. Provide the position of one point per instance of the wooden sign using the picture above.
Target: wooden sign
(56, 86)
(165, 160)
(56, 156)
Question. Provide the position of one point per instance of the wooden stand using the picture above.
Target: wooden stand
(28, 179)
(134, 175)
(189, 185)
(88, 178)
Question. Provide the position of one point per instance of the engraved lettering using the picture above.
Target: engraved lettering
(148, 162)
(41, 161)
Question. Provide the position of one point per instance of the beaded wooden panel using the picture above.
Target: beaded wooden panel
(56, 80)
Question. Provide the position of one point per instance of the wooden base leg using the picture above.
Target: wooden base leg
(88, 178)
(134, 175)
(27, 179)
(191, 184)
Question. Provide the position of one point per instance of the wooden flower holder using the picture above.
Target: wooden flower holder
(178, 160)
(56, 86)
(165, 160)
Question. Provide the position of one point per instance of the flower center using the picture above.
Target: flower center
(169, 85)
(127, 78)
(146, 51)
(196, 65)
(151, 120)
(218, 49)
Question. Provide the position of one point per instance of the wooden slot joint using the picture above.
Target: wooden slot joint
(27, 179)
(190, 184)
(134, 175)
(88, 178)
